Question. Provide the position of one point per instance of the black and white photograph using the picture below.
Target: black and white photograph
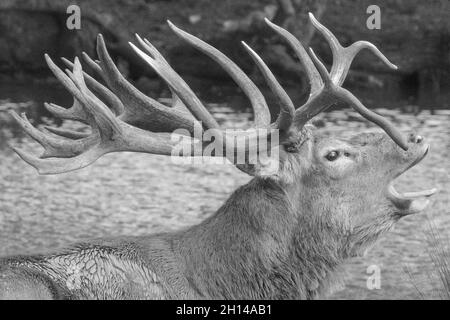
(241, 151)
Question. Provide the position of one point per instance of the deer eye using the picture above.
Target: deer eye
(332, 155)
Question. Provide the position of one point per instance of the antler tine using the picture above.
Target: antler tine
(175, 82)
(75, 112)
(126, 92)
(104, 118)
(331, 94)
(287, 108)
(320, 101)
(94, 65)
(140, 110)
(260, 108)
(313, 76)
(53, 147)
(59, 165)
(105, 93)
(343, 56)
(70, 134)
(62, 77)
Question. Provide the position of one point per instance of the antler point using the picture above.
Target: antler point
(268, 22)
(171, 25)
(48, 59)
(100, 38)
(138, 37)
(247, 47)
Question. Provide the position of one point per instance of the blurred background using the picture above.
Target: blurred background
(131, 194)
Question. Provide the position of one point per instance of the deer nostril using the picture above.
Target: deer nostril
(415, 138)
(419, 139)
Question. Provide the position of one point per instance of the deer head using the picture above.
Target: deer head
(341, 191)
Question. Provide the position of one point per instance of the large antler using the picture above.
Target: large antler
(135, 122)
(124, 119)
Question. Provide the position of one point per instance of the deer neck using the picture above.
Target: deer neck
(260, 244)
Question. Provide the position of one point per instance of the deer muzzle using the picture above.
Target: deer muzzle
(411, 202)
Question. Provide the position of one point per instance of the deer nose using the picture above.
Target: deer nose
(415, 138)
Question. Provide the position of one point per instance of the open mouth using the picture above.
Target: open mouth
(410, 202)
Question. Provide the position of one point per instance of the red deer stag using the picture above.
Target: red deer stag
(283, 235)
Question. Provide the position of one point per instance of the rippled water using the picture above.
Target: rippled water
(136, 194)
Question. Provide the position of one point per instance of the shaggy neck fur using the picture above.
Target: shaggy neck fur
(261, 245)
